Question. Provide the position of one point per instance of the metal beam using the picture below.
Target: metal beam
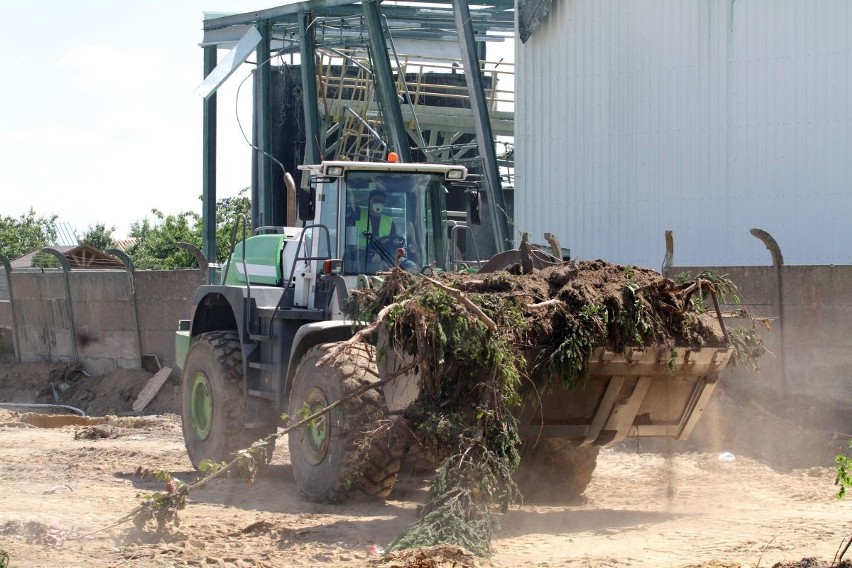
(482, 125)
(307, 47)
(385, 85)
(261, 208)
(208, 160)
(271, 13)
(499, 13)
(778, 263)
(198, 255)
(230, 63)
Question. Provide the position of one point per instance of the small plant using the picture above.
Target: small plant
(161, 507)
(844, 472)
(462, 496)
(673, 358)
(636, 322)
(747, 345)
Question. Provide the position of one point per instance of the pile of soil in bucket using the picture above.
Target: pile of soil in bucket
(481, 343)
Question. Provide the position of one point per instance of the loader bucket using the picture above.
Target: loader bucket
(653, 392)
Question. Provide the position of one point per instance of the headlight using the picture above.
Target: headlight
(455, 174)
(334, 171)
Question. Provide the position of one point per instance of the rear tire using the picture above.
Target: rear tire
(423, 459)
(344, 453)
(213, 402)
(555, 470)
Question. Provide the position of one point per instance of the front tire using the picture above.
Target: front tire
(213, 402)
(350, 451)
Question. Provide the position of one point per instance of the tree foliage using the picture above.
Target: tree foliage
(99, 237)
(156, 239)
(155, 246)
(19, 236)
(228, 212)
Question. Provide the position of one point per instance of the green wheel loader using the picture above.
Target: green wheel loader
(248, 354)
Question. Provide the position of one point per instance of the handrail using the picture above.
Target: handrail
(303, 258)
(456, 228)
(240, 217)
(296, 260)
(422, 68)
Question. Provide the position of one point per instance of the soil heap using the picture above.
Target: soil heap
(481, 343)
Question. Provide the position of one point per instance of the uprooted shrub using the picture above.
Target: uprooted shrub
(481, 343)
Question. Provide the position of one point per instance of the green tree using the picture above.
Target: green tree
(99, 237)
(26, 233)
(155, 246)
(228, 212)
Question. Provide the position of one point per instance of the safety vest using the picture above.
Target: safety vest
(385, 225)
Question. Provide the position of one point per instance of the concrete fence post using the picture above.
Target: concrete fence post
(8, 266)
(66, 270)
(131, 272)
(778, 263)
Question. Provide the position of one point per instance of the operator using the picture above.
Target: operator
(373, 220)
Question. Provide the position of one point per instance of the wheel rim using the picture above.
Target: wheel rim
(315, 434)
(201, 406)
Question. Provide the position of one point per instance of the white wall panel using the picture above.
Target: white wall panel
(706, 117)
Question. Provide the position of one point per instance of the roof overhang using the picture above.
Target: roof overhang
(413, 22)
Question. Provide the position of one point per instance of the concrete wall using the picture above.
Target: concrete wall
(104, 320)
(43, 320)
(163, 298)
(117, 320)
(113, 317)
(810, 340)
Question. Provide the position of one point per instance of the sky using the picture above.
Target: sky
(99, 121)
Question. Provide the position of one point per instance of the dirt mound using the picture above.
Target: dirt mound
(483, 343)
(69, 385)
(618, 292)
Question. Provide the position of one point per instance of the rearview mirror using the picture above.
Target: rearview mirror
(307, 203)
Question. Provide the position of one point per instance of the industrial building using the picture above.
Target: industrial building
(703, 117)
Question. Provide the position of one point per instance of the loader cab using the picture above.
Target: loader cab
(379, 214)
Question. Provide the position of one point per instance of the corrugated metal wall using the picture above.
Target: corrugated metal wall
(706, 117)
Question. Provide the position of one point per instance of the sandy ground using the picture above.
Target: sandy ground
(675, 506)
